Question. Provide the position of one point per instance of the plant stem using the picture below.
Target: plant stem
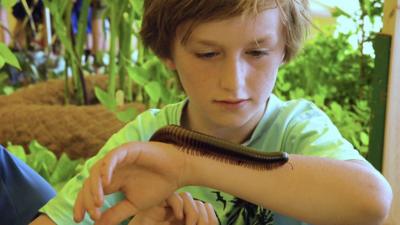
(113, 47)
(83, 87)
(363, 37)
(66, 84)
(125, 54)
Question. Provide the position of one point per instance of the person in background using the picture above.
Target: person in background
(4, 26)
(22, 191)
(99, 37)
(25, 35)
(95, 25)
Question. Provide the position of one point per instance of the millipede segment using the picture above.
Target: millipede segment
(199, 144)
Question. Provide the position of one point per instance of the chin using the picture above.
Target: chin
(231, 123)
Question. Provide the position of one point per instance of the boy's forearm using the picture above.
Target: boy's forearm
(42, 220)
(312, 189)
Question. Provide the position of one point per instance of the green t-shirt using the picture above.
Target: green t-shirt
(296, 127)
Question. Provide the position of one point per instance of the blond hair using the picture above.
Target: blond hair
(162, 18)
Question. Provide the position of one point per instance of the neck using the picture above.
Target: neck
(237, 134)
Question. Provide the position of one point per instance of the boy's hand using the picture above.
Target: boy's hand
(179, 209)
(146, 172)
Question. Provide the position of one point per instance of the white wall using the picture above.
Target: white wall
(391, 158)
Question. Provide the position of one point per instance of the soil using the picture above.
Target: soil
(38, 112)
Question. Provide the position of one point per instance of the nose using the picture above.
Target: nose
(233, 74)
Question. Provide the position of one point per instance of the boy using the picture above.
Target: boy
(227, 54)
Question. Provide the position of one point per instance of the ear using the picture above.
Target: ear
(169, 63)
(283, 60)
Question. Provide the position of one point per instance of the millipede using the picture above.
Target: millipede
(200, 144)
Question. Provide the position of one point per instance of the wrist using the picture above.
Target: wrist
(198, 170)
(187, 176)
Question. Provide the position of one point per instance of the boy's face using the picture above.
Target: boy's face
(228, 69)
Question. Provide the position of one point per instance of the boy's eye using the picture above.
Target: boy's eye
(258, 53)
(207, 55)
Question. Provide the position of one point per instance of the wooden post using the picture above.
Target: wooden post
(391, 157)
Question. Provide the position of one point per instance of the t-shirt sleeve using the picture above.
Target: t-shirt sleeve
(60, 208)
(312, 133)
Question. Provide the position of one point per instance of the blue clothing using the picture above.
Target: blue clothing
(76, 11)
(22, 191)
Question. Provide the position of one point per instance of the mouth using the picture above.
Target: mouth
(231, 102)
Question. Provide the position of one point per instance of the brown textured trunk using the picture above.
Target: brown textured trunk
(38, 112)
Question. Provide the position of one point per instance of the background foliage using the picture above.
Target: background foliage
(337, 76)
(329, 71)
(56, 171)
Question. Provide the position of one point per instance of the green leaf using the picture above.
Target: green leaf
(137, 75)
(3, 77)
(35, 147)
(105, 99)
(364, 138)
(8, 90)
(64, 170)
(2, 62)
(297, 93)
(153, 61)
(17, 150)
(8, 56)
(336, 108)
(8, 3)
(44, 162)
(285, 87)
(41, 159)
(153, 89)
(127, 115)
(319, 100)
(137, 6)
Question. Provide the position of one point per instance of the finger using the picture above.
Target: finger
(96, 186)
(110, 161)
(117, 214)
(79, 211)
(88, 201)
(212, 217)
(203, 217)
(189, 208)
(175, 201)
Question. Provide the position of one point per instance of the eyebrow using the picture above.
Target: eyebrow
(211, 43)
(262, 40)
